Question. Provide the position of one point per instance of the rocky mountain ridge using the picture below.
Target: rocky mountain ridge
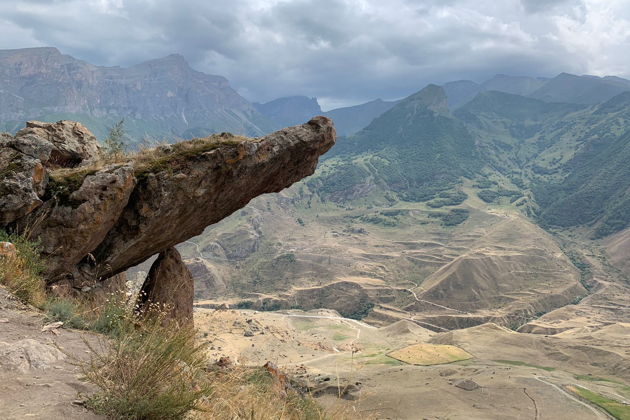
(158, 98)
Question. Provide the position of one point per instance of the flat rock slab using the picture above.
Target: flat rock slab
(37, 377)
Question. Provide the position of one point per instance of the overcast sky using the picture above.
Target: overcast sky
(341, 51)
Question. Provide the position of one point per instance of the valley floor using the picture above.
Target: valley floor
(511, 375)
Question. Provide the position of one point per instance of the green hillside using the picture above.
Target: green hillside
(595, 190)
(563, 165)
(416, 151)
(581, 89)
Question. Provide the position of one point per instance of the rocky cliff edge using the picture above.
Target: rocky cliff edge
(95, 220)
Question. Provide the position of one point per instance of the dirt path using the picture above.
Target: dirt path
(362, 324)
(598, 414)
(352, 323)
(37, 378)
(434, 304)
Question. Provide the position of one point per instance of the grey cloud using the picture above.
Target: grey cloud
(535, 6)
(343, 50)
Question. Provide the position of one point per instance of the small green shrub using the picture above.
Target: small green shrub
(115, 141)
(489, 196)
(112, 317)
(66, 311)
(244, 304)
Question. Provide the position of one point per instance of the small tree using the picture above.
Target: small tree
(115, 140)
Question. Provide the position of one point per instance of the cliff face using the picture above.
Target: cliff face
(96, 221)
(164, 94)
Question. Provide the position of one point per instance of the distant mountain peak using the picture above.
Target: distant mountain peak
(433, 97)
(290, 110)
(32, 51)
(171, 60)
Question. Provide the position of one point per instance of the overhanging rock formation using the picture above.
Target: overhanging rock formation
(97, 221)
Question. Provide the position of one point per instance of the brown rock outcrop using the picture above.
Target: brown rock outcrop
(25, 157)
(72, 143)
(209, 281)
(178, 199)
(169, 287)
(94, 223)
(22, 181)
(73, 227)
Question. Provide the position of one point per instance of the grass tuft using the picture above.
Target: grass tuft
(147, 371)
(21, 274)
(66, 311)
(252, 393)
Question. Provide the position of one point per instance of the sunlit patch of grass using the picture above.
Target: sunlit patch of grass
(382, 359)
(339, 337)
(376, 357)
(616, 409)
(425, 354)
(620, 385)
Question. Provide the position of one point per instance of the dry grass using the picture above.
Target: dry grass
(147, 371)
(165, 157)
(20, 273)
(425, 354)
(148, 158)
(152, 370)
(251, 393)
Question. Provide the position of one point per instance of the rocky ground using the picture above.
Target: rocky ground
(38, 375)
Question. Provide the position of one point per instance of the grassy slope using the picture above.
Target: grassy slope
(413, 152)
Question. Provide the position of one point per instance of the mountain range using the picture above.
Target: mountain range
(165, 99)
(561, 162)
(161, 98)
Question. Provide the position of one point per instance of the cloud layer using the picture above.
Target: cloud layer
(342, 51)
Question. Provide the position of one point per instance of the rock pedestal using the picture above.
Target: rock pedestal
(169, 287)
